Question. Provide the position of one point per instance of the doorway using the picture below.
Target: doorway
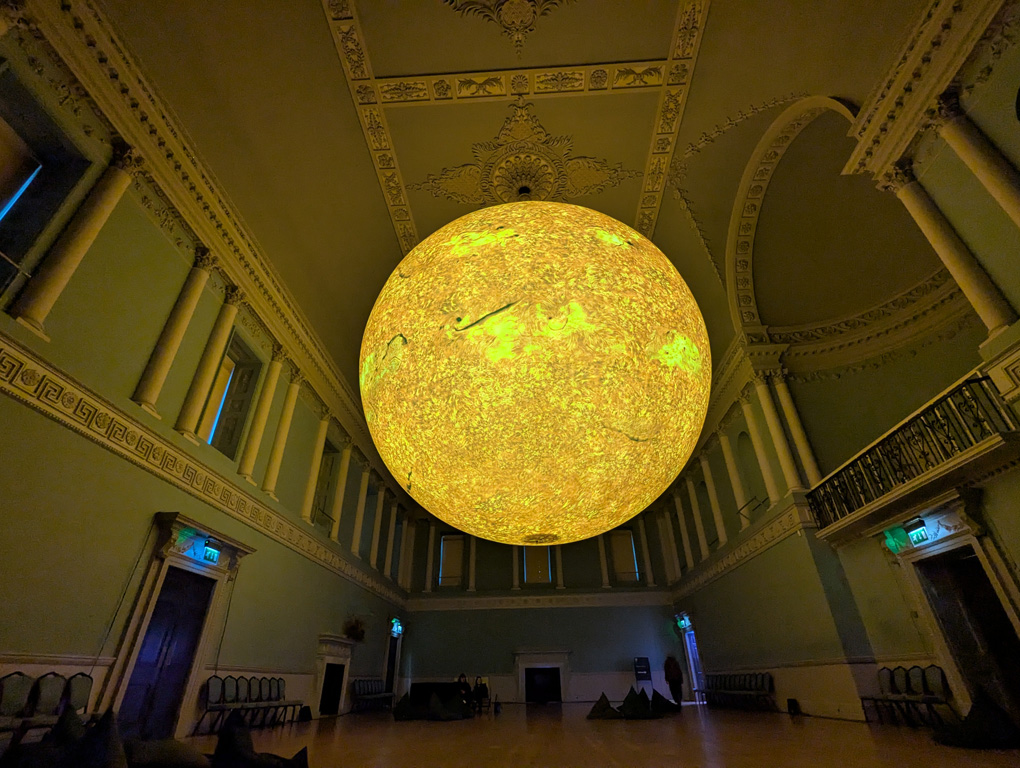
(156, 687)
(694, 674)
(332, 690)
(977, 629)
(542, 685)
(391, 662)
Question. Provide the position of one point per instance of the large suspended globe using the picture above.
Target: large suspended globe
(535, 373)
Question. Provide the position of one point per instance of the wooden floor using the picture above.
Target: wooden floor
(559, 735)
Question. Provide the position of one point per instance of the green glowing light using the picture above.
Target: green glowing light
(681, 353)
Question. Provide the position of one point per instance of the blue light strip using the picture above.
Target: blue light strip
(219, 410)
(20, 192)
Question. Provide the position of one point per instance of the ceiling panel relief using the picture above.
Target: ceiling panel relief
(517, 18)
(350, 46)
(690, 27)
(747, 208)
(541, 81)
(524, 162)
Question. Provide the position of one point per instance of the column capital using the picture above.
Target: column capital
(296, 378)
(710, 442)
(902, 175)
(358, 455)
(947, 109)
(374, 475)
(233, 295)
(344, 440)
(279, 354)
(744, 398)
(204, 258)
(126, 158)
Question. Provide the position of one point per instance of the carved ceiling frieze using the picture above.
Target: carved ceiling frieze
(499, 85)
(349, 42)
(524, 162)
(687, 35)
(517, 18)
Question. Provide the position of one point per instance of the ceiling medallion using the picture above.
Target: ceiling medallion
(516, 17)
(535, 373)
(524, 162)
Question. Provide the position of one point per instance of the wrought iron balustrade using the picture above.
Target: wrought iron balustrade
(960, 419)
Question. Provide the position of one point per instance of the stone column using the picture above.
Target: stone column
(768, 407)
(517, 566)
(685, 537)
(558, 552)
(253, 440)
(699, 526)
(713, 500)
(359, 512)
(983, 158)
(373, 557)
(282, 432)
(169, 341)
(402, 553)
(603, 561)
(472, 559)
(430, 557)
(314, 468)
(800, 439)
(409, 573)
(390, 535)
(336, 509)
(646, 555)
(983, 294)
(754, 431)
(739, 492)
(59, 265)
(208, 365)
(674, 555)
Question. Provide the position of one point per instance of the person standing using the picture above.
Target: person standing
(674, 678)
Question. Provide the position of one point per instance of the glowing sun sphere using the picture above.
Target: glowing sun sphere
(535, 373)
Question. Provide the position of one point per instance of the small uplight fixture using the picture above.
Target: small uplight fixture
(396, 627)
(916, 530)
(682, 622)
(211, 553)
(535, 373)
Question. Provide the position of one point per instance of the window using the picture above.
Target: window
(230, 398)
(537, 568)
(325, 488)
(39, 168)
(621, 548)
(451, 561)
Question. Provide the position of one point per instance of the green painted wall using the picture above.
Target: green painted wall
(73, 518)
(880, 592)
(771, 609)
(482, 642)
(843, 415)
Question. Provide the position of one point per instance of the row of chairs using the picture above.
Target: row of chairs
(747, 690)
(911, 696)
(36, 702)
(371, 693)
(261, 701)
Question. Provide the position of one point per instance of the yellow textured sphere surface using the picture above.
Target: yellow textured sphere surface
(535, 373)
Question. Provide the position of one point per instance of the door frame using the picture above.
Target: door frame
(952, 520)
(180, 542)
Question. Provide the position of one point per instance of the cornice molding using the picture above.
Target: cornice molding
(936, 49)
(113, 83)
(731, 374)
(27, 378)
(618, 598)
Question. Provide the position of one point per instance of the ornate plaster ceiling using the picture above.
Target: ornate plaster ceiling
(323, 120)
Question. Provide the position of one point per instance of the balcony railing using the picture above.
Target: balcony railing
(962, 418)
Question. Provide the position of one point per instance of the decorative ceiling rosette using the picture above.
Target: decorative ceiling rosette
(524, 162)
(516, 17)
